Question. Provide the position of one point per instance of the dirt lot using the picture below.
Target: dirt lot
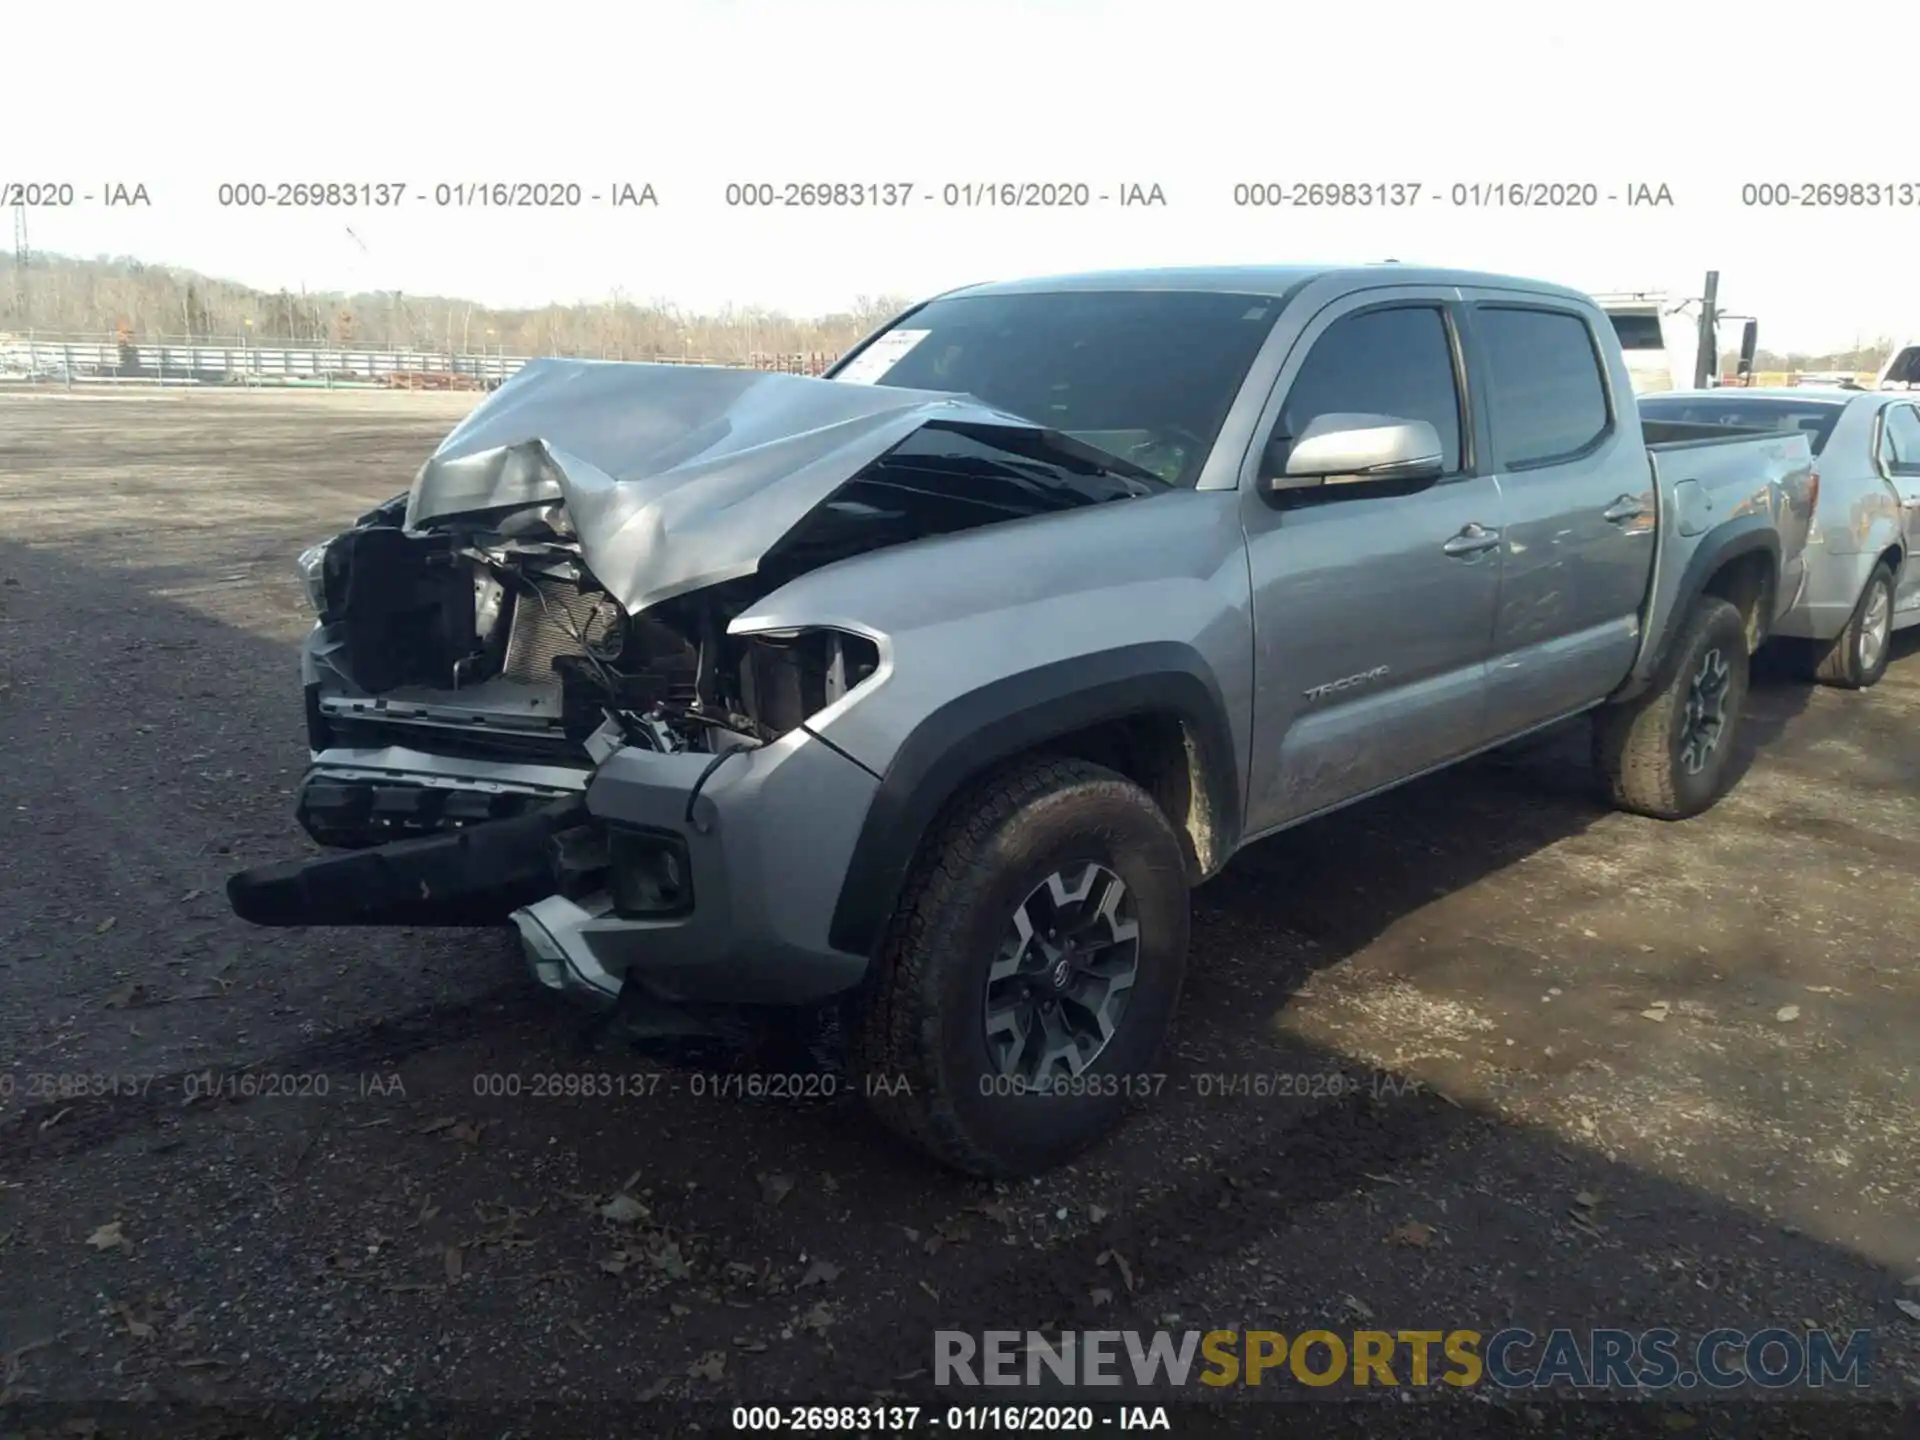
(1668, 1073)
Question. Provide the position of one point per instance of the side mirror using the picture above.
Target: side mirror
(1355, 450)
(1749, 348)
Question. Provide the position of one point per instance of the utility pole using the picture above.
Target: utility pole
(22, 295)
(1706, 358)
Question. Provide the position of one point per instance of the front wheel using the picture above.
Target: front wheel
(1857, 657)
(1030, 973)
(1668, 752)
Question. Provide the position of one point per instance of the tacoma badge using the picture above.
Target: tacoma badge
(1333, 687)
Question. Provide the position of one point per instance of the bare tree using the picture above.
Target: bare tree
(109, 294)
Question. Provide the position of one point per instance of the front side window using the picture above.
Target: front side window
(1396, 362)
(1546, 393)
(1900, 439)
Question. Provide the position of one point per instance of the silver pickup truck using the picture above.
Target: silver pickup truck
(928, 689)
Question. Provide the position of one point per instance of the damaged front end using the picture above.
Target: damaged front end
(523, 692)
(459, 672)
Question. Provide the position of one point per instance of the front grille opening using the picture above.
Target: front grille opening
(546, 747)
(551, 618)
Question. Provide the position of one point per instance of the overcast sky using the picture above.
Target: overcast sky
(1195, 97)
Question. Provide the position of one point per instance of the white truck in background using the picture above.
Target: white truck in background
(1902, 370)
(1666, 345)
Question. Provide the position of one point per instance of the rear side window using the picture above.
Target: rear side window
(1545, 389)
(1396, 362)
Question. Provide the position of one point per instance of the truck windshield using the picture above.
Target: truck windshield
(1145, 375)
(1814, 418)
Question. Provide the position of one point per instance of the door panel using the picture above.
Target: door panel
(1579, 509)
(1370, 637)
(1360, 595)
(1900, 455)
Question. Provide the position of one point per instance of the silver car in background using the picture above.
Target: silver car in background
(1861, 584)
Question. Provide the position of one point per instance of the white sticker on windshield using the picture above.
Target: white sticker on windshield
(881, 356)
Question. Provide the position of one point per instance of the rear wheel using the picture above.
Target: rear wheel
(1030, 974)
(1668, 753)
(1857, 657)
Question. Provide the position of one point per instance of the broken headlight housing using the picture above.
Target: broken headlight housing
(312, 566)
(788, 676)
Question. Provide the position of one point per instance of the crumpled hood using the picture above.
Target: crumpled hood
(675, 477)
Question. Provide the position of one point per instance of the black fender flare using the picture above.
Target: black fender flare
(1014, 715)
(1748, 535)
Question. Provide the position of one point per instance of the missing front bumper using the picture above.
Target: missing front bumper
(475, 876)
(355, 797)
(676, 891)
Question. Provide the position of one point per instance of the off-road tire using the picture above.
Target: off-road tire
(1637, 744)
(920, 1040)
(1837, 662)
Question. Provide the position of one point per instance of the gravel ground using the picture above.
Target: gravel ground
(1598, 1071)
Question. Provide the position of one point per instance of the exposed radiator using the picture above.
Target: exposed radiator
(542, 631)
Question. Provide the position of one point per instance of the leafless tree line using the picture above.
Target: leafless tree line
(1862, 359)
(108, 295)
(65, 294)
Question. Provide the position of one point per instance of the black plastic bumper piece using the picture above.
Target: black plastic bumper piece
(350, 814)
(475, 876)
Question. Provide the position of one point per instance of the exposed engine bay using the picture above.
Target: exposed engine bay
(471, 608)
(465, 621)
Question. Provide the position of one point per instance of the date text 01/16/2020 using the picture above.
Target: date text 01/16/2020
(1387, 194)
(828, 1085)
(1062, 194)
(1212, 1084)
(235, 1085)
(558, 194)
(907, 1419)
(670, 1084)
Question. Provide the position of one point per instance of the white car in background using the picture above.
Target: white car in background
(1861, 583)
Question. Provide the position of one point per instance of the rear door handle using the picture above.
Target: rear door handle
(1627, 507)
(1472, 540)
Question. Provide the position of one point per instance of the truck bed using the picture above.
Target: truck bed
(1706, 478)
(1673, 434)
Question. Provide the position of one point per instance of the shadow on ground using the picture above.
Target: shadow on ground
(427, 1201)
(309, 1233)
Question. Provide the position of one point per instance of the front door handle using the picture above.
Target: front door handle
(1627, 507)
(1472, 540)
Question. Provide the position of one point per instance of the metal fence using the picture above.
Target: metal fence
(70, 360)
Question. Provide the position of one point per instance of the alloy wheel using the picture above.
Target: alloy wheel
(1061, 979)
(1704, 722)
